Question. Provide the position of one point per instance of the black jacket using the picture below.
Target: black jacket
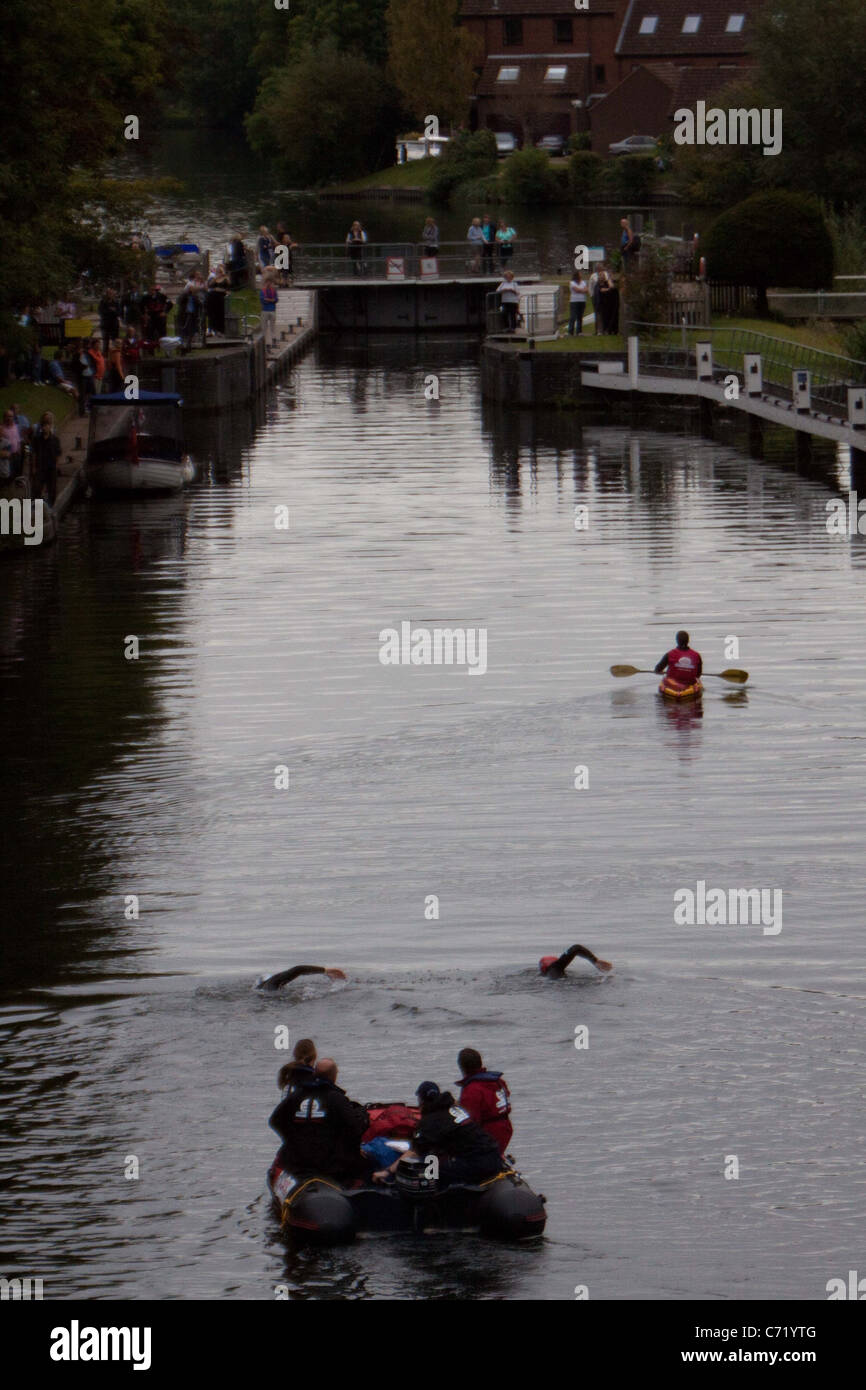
(447, 1131)
(320, 1128)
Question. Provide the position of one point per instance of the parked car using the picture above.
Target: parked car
(553, 144)
(506, 143)
(635, 144)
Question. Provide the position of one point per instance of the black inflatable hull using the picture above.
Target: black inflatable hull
(320, 1212)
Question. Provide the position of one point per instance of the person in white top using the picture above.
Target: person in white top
(509, 298)
(577, 303)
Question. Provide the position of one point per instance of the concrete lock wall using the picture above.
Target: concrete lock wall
(214, 380)
(402, 306)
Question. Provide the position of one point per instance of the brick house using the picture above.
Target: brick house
(670, 54)
(542, 63)
(547, 68)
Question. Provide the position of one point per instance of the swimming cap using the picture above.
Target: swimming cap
(546, 962)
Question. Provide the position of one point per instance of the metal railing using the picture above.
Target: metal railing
(672, 352)
(394, 261)
(821, 304)
(537, 312)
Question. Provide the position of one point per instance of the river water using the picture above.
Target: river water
(259, 648)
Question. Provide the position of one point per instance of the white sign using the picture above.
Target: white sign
(596, 253)
(429, 266)
(396, 268)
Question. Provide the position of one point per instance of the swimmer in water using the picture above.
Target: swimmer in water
(286, 976)
(554, 967)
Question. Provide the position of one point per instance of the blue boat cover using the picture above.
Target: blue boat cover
(143, 398)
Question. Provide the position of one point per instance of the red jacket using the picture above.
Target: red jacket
(486, 1098)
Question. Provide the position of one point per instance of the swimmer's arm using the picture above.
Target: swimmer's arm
(568, 956)
(286, 976)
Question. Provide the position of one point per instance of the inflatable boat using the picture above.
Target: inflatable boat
(320, 1211)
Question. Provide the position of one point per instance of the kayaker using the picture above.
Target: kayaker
(446, 1131)
(321, 1128)
(554, 967)
(272, 982)
(684, 666)
(485, 1096)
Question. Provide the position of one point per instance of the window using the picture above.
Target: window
(648, 24)
(735, 23)
(508, 74)
(691, 23)
(599, 73)
(563, 31)
(512, 30)
(555, 74)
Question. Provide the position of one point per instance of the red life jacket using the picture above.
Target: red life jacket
(486, 1098)
(684, 665)
(394, 1121)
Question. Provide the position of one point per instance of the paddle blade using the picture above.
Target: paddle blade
(624, 670)
(734, 674)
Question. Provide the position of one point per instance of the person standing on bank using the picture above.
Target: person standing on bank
(628, 246)
(218, 286)
(509, 298)
(577, 303)
(46, 452)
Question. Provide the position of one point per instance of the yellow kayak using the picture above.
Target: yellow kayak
(673, 691)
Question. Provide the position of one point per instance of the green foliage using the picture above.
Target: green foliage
(777, 239)
(430, 58)
(847, 230)
(484, 190)
(811, 63)
(528, 177)
(326, 115)
(582, 140)
(632, 177)
(585, 171)
(465, 158)
(721, 175)
(855, 341)
(646, 291)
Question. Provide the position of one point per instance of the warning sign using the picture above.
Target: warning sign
(396, 268)
(429, 267)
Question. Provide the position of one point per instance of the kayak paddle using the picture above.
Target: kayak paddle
(733, 673)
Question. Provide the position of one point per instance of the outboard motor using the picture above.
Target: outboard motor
(410, 1179)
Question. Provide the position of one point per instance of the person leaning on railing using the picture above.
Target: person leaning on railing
(355, 243)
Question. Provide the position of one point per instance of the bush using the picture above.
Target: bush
(773, 239)
(483, 190)
(581, 141)
(633, 177)
(584, 175)
(646, 292)
(463, 158)
(529, 178)
(855, 341)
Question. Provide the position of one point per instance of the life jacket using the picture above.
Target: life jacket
(487, 1099)
(684, 665)
(394, 1121)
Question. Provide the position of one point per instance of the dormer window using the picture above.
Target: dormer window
(555, 74)
(648, 24)
(735, 23)
(508, 74)
(691, 23)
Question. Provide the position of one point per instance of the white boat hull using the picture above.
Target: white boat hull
(148, 475)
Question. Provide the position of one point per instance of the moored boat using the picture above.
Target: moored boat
(672, 690)
(137, 445)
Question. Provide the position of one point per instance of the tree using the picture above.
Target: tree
(772, 239)
(464, 159)
(324, 116)
(529, 177)
(430, 59)
(811, 66)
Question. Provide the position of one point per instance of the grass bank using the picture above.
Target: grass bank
(35, 400)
